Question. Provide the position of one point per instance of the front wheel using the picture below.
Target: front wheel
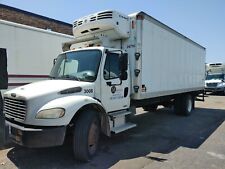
(86, 136)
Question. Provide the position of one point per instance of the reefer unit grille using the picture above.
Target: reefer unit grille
(15, 108)
(105, 15)
(98, 16)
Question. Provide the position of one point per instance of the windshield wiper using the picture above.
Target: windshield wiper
(70, 77)
(51, 77)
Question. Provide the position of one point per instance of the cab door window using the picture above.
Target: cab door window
(111, 68)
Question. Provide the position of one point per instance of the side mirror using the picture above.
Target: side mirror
(123, 66)
(54, 61)
(123, 75)
(123, 62)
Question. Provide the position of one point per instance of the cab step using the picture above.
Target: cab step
(123, 127)
(118, 121)
(119, 113)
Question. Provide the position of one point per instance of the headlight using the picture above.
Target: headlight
(221, 84)
(51, 113)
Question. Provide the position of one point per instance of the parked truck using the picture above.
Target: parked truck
(30, 51)
(116, 64)
(215, 77)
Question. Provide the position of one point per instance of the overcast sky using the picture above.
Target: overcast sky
(201, 20)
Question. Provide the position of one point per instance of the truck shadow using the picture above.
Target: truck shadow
(161, 132)
(215, 94)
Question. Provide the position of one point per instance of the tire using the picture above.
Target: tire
(184, 104)
(86, 136)
(177, 105)
(150, 108)
(193, 102)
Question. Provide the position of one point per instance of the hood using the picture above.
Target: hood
(46, 87)
(213, 81)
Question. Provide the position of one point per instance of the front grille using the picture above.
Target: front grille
(15, 108)
(211, 84)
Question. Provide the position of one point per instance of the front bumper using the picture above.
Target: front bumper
(36, 137)
(214, 89)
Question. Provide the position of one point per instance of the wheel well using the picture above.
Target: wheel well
(105, 128)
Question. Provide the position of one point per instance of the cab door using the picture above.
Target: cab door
(115, 92)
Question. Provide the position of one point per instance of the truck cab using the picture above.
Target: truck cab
(215, 82)
(99, 69)
(88, 91)
(94, 79)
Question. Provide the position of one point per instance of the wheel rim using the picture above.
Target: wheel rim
(189, 107)
(93, 137)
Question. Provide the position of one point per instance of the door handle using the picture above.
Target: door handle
(126, 89)
(109, 83)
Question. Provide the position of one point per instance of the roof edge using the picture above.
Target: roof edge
(33, 14)
(166, 26)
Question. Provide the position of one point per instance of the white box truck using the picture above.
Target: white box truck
(215, 77)
(115, 64)
(30, 51)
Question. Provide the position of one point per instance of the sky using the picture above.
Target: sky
(201, 20)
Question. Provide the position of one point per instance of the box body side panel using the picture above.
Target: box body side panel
(170, 64)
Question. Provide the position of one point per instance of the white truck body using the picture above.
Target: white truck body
(215, 77)
(170, 62)
(30, 51)
(115, 64)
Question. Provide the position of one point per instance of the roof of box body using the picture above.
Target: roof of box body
(150, 18)
(35, 15)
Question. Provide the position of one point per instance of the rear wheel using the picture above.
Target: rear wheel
(193, 102)
(86, 136)
(184, 104)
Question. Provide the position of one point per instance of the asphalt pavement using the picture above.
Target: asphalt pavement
(161, 140)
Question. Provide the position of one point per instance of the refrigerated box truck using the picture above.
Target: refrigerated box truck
(30, 51)
(215, 77)
(116, 64)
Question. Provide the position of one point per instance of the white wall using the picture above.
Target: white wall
(30, 50)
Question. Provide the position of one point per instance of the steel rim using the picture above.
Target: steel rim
(93, 137)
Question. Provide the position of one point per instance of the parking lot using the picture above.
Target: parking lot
(161, 140)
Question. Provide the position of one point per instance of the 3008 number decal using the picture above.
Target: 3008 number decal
(88, 90)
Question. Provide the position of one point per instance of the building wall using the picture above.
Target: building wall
(27, 18)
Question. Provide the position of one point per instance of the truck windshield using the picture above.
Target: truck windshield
(77, 65)
(216, 76)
